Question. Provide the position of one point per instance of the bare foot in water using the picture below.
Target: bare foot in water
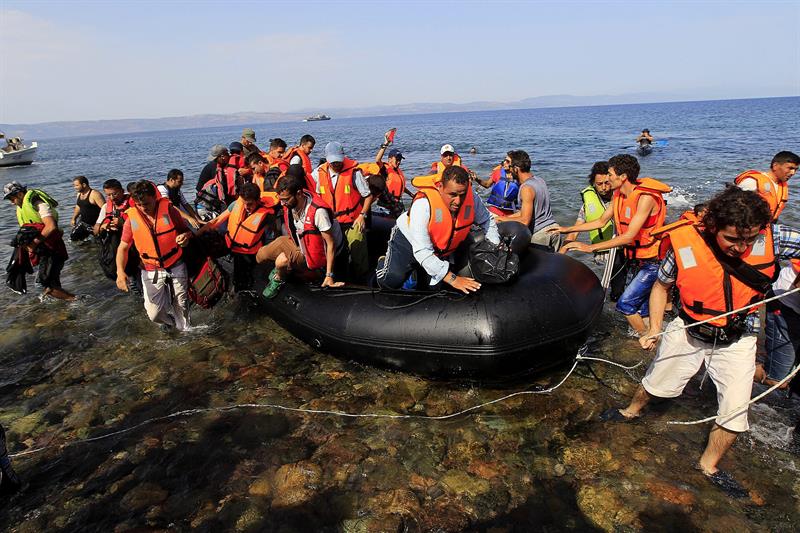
(61, 294)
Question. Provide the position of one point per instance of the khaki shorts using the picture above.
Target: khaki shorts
(283, 245)
(731, 368)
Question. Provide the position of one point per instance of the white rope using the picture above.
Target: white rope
(735, 311)
(740, 408)
(189, 412)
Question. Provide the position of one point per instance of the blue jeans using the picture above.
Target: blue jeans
(636, 296)
(783, 340)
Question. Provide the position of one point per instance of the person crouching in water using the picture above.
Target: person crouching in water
(159, 233)
(314, 247)
(439, 220)
(37, 209)
(247, 219)
(724, 263)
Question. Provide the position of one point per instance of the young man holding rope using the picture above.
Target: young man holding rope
(723, 264)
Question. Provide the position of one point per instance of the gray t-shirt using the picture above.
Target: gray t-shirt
(542, 215)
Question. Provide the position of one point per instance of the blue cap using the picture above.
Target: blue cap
(236, 147)
(334, 152)
(397, 154)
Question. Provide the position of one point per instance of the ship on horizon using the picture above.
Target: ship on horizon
(314, 118)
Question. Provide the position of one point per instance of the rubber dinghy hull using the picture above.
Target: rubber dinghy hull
(501, 331)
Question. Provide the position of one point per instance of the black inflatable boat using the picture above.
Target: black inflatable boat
(535, 323)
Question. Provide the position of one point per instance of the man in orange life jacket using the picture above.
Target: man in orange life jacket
(638, 208)
(722, 264)
(262, 178)
(277, 149)
(391, 197)
(314, 247)
(781, 339)
(449, 158)
(440, 218)
(247, 219)
(342, 186)
(159, 233)
(772, 185)
(300, 154)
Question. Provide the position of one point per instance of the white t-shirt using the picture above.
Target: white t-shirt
(783, 284)
(321, 220)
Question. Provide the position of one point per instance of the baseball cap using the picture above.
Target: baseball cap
(235, 146)
(334, 152)
(397, 154)
(216, 151)
(249, 134)
(13, 188)
(447, 148)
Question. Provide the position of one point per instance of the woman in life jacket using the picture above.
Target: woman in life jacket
(504, 196)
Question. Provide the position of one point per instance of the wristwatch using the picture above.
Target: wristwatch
(329, 274)
(452, 277)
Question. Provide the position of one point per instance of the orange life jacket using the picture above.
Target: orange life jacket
(246, 231)
(395, 182)
(306, 161)
(276, 162)
(225, 179)
(776, 193)
(156, 243)
(446, 233)
(309, 234)
(438, 167)
(706, 289)
(346, 201)
(687, 218)
(644, 245)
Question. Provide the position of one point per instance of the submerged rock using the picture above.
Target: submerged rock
(295, 484)
(143, 496)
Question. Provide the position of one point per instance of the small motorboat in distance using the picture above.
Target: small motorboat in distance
(644, 149)
(16, 153)
(314, 118)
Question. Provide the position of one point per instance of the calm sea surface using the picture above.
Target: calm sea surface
(78, 370)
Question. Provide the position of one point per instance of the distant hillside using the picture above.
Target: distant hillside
(51, 130)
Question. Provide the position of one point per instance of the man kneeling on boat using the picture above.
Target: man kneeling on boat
(314, 247)
(439, 220)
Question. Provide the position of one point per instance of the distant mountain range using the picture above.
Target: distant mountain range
(52, 130)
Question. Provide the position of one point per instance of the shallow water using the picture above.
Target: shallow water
(532, 463)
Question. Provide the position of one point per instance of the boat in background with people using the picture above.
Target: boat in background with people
(16, 153)
(315, 118)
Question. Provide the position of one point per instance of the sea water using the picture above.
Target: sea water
(72, 371)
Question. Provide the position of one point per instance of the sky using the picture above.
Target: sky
(91, 60)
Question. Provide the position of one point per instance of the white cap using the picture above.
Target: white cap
(447, 148)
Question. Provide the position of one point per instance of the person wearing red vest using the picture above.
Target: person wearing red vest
(246, 221)
(722, 264)
(439, 220)
(342, 186)
(159, 233)
(300, 154)
(638, 208)
(237, 159)
(314, 247)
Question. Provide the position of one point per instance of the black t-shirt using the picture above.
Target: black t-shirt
(207, 174)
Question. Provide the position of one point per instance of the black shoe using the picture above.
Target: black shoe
(9, 480)
(727, 484)
(614, 415)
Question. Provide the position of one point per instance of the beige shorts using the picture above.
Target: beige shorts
(731, 368)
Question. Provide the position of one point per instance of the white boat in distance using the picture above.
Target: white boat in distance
(315, 118)
(23, 156)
